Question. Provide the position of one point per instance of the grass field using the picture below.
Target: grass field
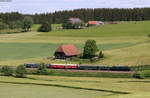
(75, 87)
(125, 43)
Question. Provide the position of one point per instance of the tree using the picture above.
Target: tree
(45, 27)
(3, 26)
(67, 25)
(90, 49)
(21, 71)
(27, 23)
(7, 71)
(15, 24)
(42, 70)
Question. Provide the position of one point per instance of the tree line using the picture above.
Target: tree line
(24, 23)
(97, 14)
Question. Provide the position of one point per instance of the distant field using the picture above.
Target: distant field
(125, 43)
(74, 87)
(108, 30)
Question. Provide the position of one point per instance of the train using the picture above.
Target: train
(80, 67)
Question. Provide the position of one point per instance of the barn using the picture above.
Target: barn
(66, 51)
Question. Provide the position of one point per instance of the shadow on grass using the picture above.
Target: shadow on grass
(56, 85)
(134, 81)
(64, 80)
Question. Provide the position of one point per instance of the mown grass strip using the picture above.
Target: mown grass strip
(56, 85)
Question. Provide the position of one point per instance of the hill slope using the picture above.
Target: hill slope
(125, 43)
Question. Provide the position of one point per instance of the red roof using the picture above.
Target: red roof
(92, 22)
(69, 50)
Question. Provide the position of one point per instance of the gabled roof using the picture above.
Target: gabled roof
(74, 20)
(68, 50)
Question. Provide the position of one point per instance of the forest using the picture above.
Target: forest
(97, 14)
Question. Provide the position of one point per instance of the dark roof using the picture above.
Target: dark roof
(74, 20)
(69, 50)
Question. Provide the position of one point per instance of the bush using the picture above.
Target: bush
(67, 25)
(7, 71)
(139, 75)
(21, 71)
(141, 68)
(45, 27)
(147, 73)
(142, 74)
(42, 70)
(101, 55)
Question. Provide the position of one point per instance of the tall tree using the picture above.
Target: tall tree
(15, 24)
(27, 23)
(90, 49)
(3, 26)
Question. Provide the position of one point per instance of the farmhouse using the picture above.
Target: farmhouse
(66, 51)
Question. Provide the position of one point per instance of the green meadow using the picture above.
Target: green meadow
(125, 43)
(76, 87)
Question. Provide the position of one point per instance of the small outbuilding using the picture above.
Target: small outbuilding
(66, 51)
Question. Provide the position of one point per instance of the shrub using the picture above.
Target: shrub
(140, 68)
(67, 25)
(21, 71)
(42, 70)
(147, 73)
(101, 55)
(7, 71)
(142, 74)
(139, 75)
(45, 27)
(73, 25)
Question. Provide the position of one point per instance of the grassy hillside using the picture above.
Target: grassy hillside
(125, 43)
